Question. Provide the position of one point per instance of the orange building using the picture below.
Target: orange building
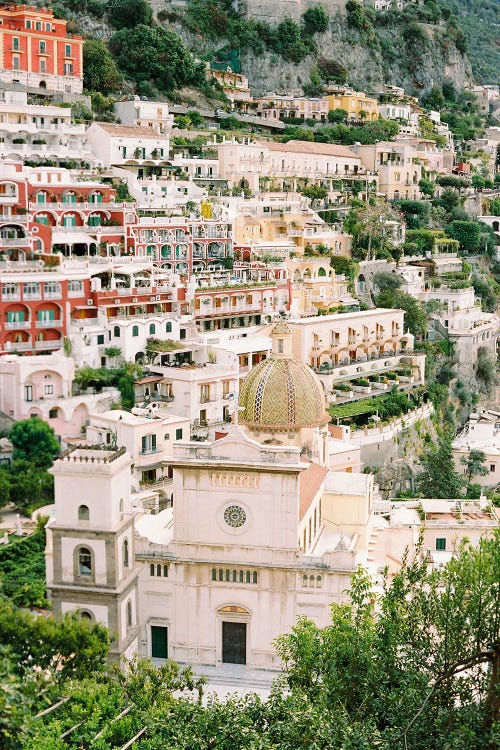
(36, 50)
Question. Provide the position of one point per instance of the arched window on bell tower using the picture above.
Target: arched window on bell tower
(83, 513)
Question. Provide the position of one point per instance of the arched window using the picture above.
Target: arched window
(85, 615)
(221, 574)
(318, 582)
(168, 327)
(121, 506)
(135, 330)
(241, 576)
(83, 513)
(228, 573)
(234, 576)
(151, 569)
(165, 571)
(152, 328)
(158, 571)
(116, 332)
(84, 562)
(304, 580)
(311, 581)
(129, 614)
(214, 574)
(125, 553)
(247, 576)
(254, 577)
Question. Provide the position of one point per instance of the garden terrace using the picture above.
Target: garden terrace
(383, 408)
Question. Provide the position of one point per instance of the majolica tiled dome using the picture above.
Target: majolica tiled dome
(281, 394)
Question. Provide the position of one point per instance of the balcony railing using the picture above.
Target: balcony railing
(49, 323)
(18, 346)
(11, 297)
(158, 484)
(48, 344)
(16, 325)
(13, 241)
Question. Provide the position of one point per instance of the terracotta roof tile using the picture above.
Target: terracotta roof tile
(310, 481)
(309, 147)
(130, 131)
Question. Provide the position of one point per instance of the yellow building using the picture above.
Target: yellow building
(357, 105)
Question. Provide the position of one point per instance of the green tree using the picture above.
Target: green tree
(450, 181)
(14, 706)
(416, 213)
(415, 316)
(468, 233)
(196, 119)
(155, 55)
(315, 20)
(126, 14)
(439, 478)
(494, 207)
(417, 666)
(385, 281)
(337, 115)
(69, 647)
(426, 187)
(289, 42)
(34, 441)
(474, 465)
(315, 192)
(100, 73)
(31, 486)
(449, 200)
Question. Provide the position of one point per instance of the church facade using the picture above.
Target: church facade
(260, 533)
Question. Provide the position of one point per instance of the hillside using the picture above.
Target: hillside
(480, 21)
(417, 48)
(290, 47)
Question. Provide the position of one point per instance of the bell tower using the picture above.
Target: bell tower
(90, 543)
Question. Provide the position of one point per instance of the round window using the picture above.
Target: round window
(235, 516)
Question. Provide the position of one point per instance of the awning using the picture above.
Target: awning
(436, 506)
(72, 238)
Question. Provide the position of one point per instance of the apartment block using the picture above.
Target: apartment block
(36, 50)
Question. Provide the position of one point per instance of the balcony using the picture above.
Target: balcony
(18, 346)
(13, 241)
(158, 484)
(48, 344)
(17, 325)
(49, 323)
(15, 297)
(55, 295)
(13, 218)
(32, 296)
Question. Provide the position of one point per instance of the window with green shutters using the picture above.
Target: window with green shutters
(441, 543)
(46, 315)
(16, 316)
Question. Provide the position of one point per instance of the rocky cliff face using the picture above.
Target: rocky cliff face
(417, 68)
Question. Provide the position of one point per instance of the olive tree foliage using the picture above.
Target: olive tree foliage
(419, 667)
(415, 665)
(154, 55)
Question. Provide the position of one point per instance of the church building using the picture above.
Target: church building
(261, 532)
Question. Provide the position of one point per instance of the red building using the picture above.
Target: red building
(37, 50)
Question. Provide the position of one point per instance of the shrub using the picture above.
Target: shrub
(315, 20)
(126, 14)
(154, 55)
